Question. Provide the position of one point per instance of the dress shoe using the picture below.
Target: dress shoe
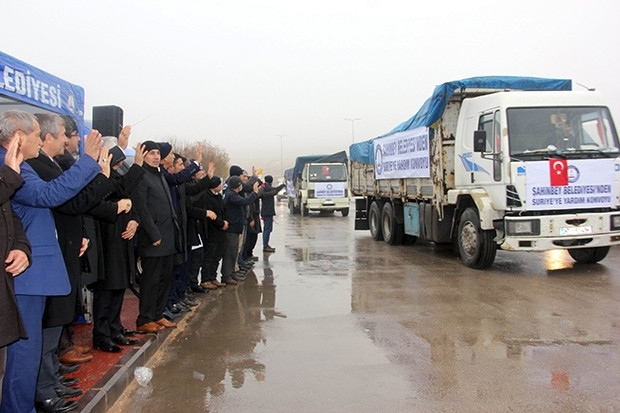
(171, 316)
(151, 327)
(218, 284)
(74, 357)
(82, 349)
(68, 382)
(56, 405)
(107, 346)
(209, 285)
(189, 302)
(126, 332)
(67, 368)
(230, 281)
(269, 249)
(254, 258)
(165, 323)
(64, 391)
(179, 307)
(124, 341)
(238, 276)
(199, 289)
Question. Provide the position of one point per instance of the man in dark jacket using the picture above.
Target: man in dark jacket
(266, 193)
(215, 244)
(235, 206)
(157, 239)
(14, 246)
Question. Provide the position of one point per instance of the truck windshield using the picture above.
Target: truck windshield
(561, 129)
(327, 172)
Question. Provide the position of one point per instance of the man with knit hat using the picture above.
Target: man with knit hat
(235, 209)
(156, 242)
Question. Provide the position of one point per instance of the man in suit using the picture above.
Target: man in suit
(47, 276)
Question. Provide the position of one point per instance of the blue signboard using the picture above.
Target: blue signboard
(27, 84)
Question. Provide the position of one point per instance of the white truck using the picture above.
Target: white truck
(319, 183)
(519, 164)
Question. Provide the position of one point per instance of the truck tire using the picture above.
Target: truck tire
(304, 211)
(393, 232)
(345, 212)
(588, 255)
(476, 246)
(374, 222)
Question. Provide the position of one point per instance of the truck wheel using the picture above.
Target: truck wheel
(588, 255)
(345, 212)
(374, 222)
(393, 232)
(304, 211)
(476, 246)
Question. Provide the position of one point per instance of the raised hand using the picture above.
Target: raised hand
(138, 158)
(13, 157)
(123, 137)
(104, 161)
(92, 144)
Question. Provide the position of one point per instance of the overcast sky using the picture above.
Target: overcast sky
(242, 73)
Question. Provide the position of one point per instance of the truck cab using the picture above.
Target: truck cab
(542, 169)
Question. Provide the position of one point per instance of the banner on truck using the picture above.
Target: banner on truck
(329, 189)
(590, 184)
(403, 155)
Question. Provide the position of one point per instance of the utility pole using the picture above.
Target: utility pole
(352, 120)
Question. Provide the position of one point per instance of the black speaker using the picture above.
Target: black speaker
(108, 120)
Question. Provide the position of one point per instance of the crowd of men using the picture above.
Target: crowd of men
(162, 223)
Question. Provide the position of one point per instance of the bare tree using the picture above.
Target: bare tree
(210, 153)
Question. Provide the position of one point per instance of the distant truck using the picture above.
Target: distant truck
(319, 183)
(487, 163)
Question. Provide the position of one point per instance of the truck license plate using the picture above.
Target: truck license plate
(576, 230)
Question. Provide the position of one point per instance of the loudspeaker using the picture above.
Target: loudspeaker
(108, 120)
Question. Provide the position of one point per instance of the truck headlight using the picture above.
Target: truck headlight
(523, 227)
(615, 222)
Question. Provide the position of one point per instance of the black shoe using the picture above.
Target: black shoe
(199, 289)
(67, 368)
(68, 382)
(56, 405)
(124, 341)
(64, 391)
(107, 346)
(126, 332)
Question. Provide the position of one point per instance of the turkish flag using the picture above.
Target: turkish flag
(558, 172)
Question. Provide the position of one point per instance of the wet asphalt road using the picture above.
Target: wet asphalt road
(337, 322)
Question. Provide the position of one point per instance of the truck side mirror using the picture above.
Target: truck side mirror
(480, 140)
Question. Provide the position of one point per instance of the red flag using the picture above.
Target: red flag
(558, 172)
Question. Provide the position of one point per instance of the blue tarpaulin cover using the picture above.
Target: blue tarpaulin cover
(301, 161)
(432, 110)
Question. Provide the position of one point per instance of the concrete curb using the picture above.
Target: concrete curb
(101, 397)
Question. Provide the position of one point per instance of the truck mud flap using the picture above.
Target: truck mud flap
(361, 216)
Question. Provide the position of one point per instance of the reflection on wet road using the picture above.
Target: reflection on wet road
(336, 322)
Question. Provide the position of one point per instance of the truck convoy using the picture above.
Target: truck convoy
(516, 163)
(319, 183)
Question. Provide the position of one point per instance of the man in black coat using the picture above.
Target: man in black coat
(235, 207)
(15, 250)
(116, 237)
(215, 242)
(157, 242)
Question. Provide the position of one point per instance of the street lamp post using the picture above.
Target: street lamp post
(281, 146)
(352, 120)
